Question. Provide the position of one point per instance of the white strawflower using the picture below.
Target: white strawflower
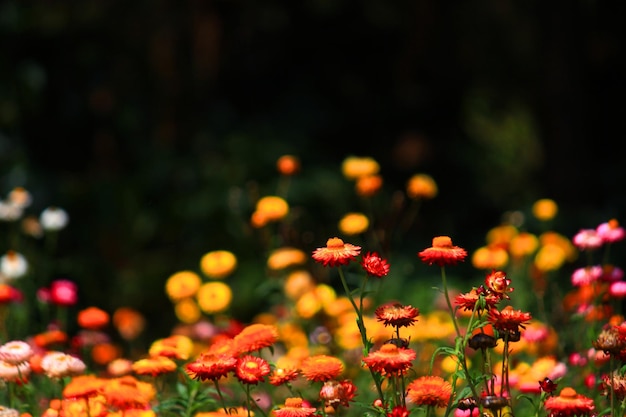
(58, 364)
(10, 212)
(12, 373)
(13, 265)
(53, 219)
(15, 352)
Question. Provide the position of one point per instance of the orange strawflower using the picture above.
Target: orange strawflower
(288, 165)
(50, 338)
(282, 376)
(218, 264)
(498, 284)
(92, 318)
(421, 186)
(490, 257)
(286, 257)
(182, 284)
(211, 366)
(390, 359)
(294, 407)
(128, 322)
(336, 253)
(154, 366)
(368, 185)
(431, 391)
(255, 337)
(397, 315)
(354, 167)
(175, 347)
(443, 252)
(127, 392)
(545, 209)
(569, 403)
(353, 224)
(508, 319)
(467, 301)
(251, 369)
(83, 386)
(321, 368)
(103, 353)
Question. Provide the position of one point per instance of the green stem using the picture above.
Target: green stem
(219, 394)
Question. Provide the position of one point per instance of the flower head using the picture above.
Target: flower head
(508, 319)
(569, 403)
(154, 366)
(93, 318)
(255, 337)
(251, 369)
(611, 231)
(182, 284)
(63, 292)
(15, 352)
(587, 239)
(13, 265)
(336, 253)
(214, 297)
(218, 264)
(431, 391)
(211, 366)
(335, 393)
(321, 368)
(397, 315)
(368, 185)
(442, 252)
(58, 365)
(285, 257)
(545, 209)
(374, 265)
(421, 186)
(281, 376)
(294, 407)
(498, 284)
(390, 359)
(354, 167)
(288, 165)
(53, 219)
(467, 301)
(353, 224)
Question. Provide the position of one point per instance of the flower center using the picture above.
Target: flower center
(334, 243)
(442, 242)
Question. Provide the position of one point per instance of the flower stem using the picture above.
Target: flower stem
(219, 393)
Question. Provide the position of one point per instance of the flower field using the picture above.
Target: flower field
(529, 324)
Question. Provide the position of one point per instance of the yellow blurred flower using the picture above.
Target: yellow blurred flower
(310, 303)
(524, 244)
(182, 284)
(214, 297)
(436, 325)
(368, 185)
(286, 257)
(490, 257)
(175, 346)
(553, 238)
(269, 209)
(187, 310)
(298, 283)
(292, 335)
(501, 235)
(338, 306)
(354, 167)
(353, 224)
(550, 258)
(218, 264)
(421, 186)
(545, 209)
(450, 364)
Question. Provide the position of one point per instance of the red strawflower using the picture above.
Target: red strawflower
(508, 320)
(467, 301)
(210, 366)
(251, 369)
(397, 315)
(442, 252)
(282, 376)
(335, 393)
(390, 359)
(294, 408)
(569, 403)
(399, 411)
(374, 265)
(255, 337)
(498, 284)
(429, 390)
(336, 253)
(321, 368)
(547, 385)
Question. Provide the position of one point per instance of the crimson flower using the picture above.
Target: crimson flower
(443, 252)
(374, 265)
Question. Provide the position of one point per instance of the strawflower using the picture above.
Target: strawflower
(15, 352)
(255, 337)
(569, 403)
(154, 366)
(211, 366)
(508, 319)
(336, 253)
(321, 368)
(353, 224)
(442, 252)
(374, 265)
(294, 407)
(390, 359)
(218, 264)
(182, 284)
(397, 315)
(611, 231)
(251, 369)
(431, 391)
(59, 364)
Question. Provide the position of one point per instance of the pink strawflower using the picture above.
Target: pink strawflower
(587, 275)
(16, 352)
(587, 239)
(618, 289)
(63, 293)
(610, 231)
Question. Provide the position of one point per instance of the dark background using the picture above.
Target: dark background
(143, 118)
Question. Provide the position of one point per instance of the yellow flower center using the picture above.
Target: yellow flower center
(613, 224)
(293, 402)
(568, 392)
(334, 243)
(442, 242)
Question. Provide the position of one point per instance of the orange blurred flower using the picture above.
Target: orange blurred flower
(390, 359)
(83, 386)
(354, 167)
(336, 253)
(127, 393)
(321, 368)
(545, 209)
(421, 186)
(490, 257)
(353, 224)
(214, 297)
(288, 165)
(255, 337)
(154, 366)
(128, 322)
(368, 185)
(269, 209)
(523, 244)
(431, 391)
(175, 346)
(285, 257)
(104, 353)
(93, 318)
(218, 264)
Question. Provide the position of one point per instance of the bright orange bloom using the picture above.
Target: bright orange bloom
(498, 284)
(467, 301)
(129, 322)
(545, 209)
(218, 264)
(49, 338)
(397, 315)
(285, 257)
(93, 318)
(175, 346)
(294, 408)
(321, 368)
(354, 167)
(182, 284)
(83, 386)
(569, 403)
(251, 369)
(508, 319)
(490, 257)
(127, 392)
(442, 252)
(390, 359)
(288, 165)
(432, 391)
(154, 366)
(282, 376)
(421, 186)
(368, 185)
(103, 353)
(211, 367)
(255, 337)
(336, 253)
(270, 209)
